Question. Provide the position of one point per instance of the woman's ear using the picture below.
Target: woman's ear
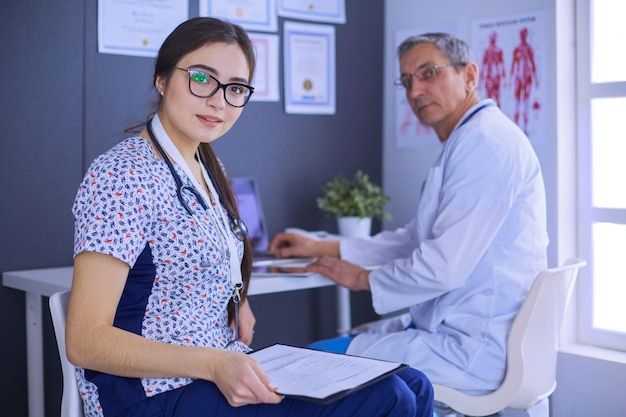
(159, 84)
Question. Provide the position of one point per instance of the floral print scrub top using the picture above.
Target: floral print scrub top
(179, 285)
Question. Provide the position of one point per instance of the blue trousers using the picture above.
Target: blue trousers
(336, 344)
(407, 393)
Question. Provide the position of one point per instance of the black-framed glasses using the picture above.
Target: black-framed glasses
(205, 85)
(423, 74)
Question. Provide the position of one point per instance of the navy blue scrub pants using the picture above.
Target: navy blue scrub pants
(407, 393)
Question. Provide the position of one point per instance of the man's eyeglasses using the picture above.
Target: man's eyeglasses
(423, 74)
(205, 85)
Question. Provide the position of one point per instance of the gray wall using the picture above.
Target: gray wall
(62, 103)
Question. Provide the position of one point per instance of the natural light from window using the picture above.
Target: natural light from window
(609, 152)
(607, 43)
(609, 277)
(607, 156)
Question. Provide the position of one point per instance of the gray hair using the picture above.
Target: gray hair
(453, 48)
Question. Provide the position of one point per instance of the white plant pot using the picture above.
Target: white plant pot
(354, 226)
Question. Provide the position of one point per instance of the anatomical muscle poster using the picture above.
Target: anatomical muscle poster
(510, 53)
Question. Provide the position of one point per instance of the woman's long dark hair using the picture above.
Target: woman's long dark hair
(188, 37)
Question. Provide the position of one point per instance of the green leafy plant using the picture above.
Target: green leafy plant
(358, 197)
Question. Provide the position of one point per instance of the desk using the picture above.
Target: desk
(37, 283)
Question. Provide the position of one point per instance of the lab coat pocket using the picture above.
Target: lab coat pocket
(429, 203)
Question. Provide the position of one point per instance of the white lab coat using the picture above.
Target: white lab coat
(465, 264)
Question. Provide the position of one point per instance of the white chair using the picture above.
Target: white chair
(531, 352)
(71, 403)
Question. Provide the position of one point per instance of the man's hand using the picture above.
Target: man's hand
(295, 245)
(343, 273)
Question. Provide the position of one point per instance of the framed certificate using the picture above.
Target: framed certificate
(259, 15)
(135, 27)
(331, 11)
(309, 59)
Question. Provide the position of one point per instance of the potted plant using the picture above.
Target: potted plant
(353, 202)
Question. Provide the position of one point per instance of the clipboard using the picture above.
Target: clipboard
(320, 377)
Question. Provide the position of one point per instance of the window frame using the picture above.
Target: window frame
(587, 214)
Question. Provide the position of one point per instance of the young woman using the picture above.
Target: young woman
(161, 258)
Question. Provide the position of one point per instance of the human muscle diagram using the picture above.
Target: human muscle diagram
(512, 62)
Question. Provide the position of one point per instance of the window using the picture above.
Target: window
(601, 93)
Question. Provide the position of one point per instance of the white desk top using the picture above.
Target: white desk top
(47, 281)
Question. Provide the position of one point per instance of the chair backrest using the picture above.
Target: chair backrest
(71, 404)
(535, 334)
(531, 349)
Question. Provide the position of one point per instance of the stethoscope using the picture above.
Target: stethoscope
(237, 225)
(473, 113)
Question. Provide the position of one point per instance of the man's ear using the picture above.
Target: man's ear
(471, 76)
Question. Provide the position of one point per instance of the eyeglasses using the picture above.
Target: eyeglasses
(423, 74)
(205, 85)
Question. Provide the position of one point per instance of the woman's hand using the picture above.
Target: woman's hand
(242, 381)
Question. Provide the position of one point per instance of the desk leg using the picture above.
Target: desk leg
(34, 355)
(344, 316)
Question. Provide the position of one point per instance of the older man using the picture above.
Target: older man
(464, 265)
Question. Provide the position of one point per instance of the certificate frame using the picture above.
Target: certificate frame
(266, 84)
(254, 15)
(330, 11)
(137, 28)
(309, 61)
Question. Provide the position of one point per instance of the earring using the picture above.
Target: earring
(161, 92)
